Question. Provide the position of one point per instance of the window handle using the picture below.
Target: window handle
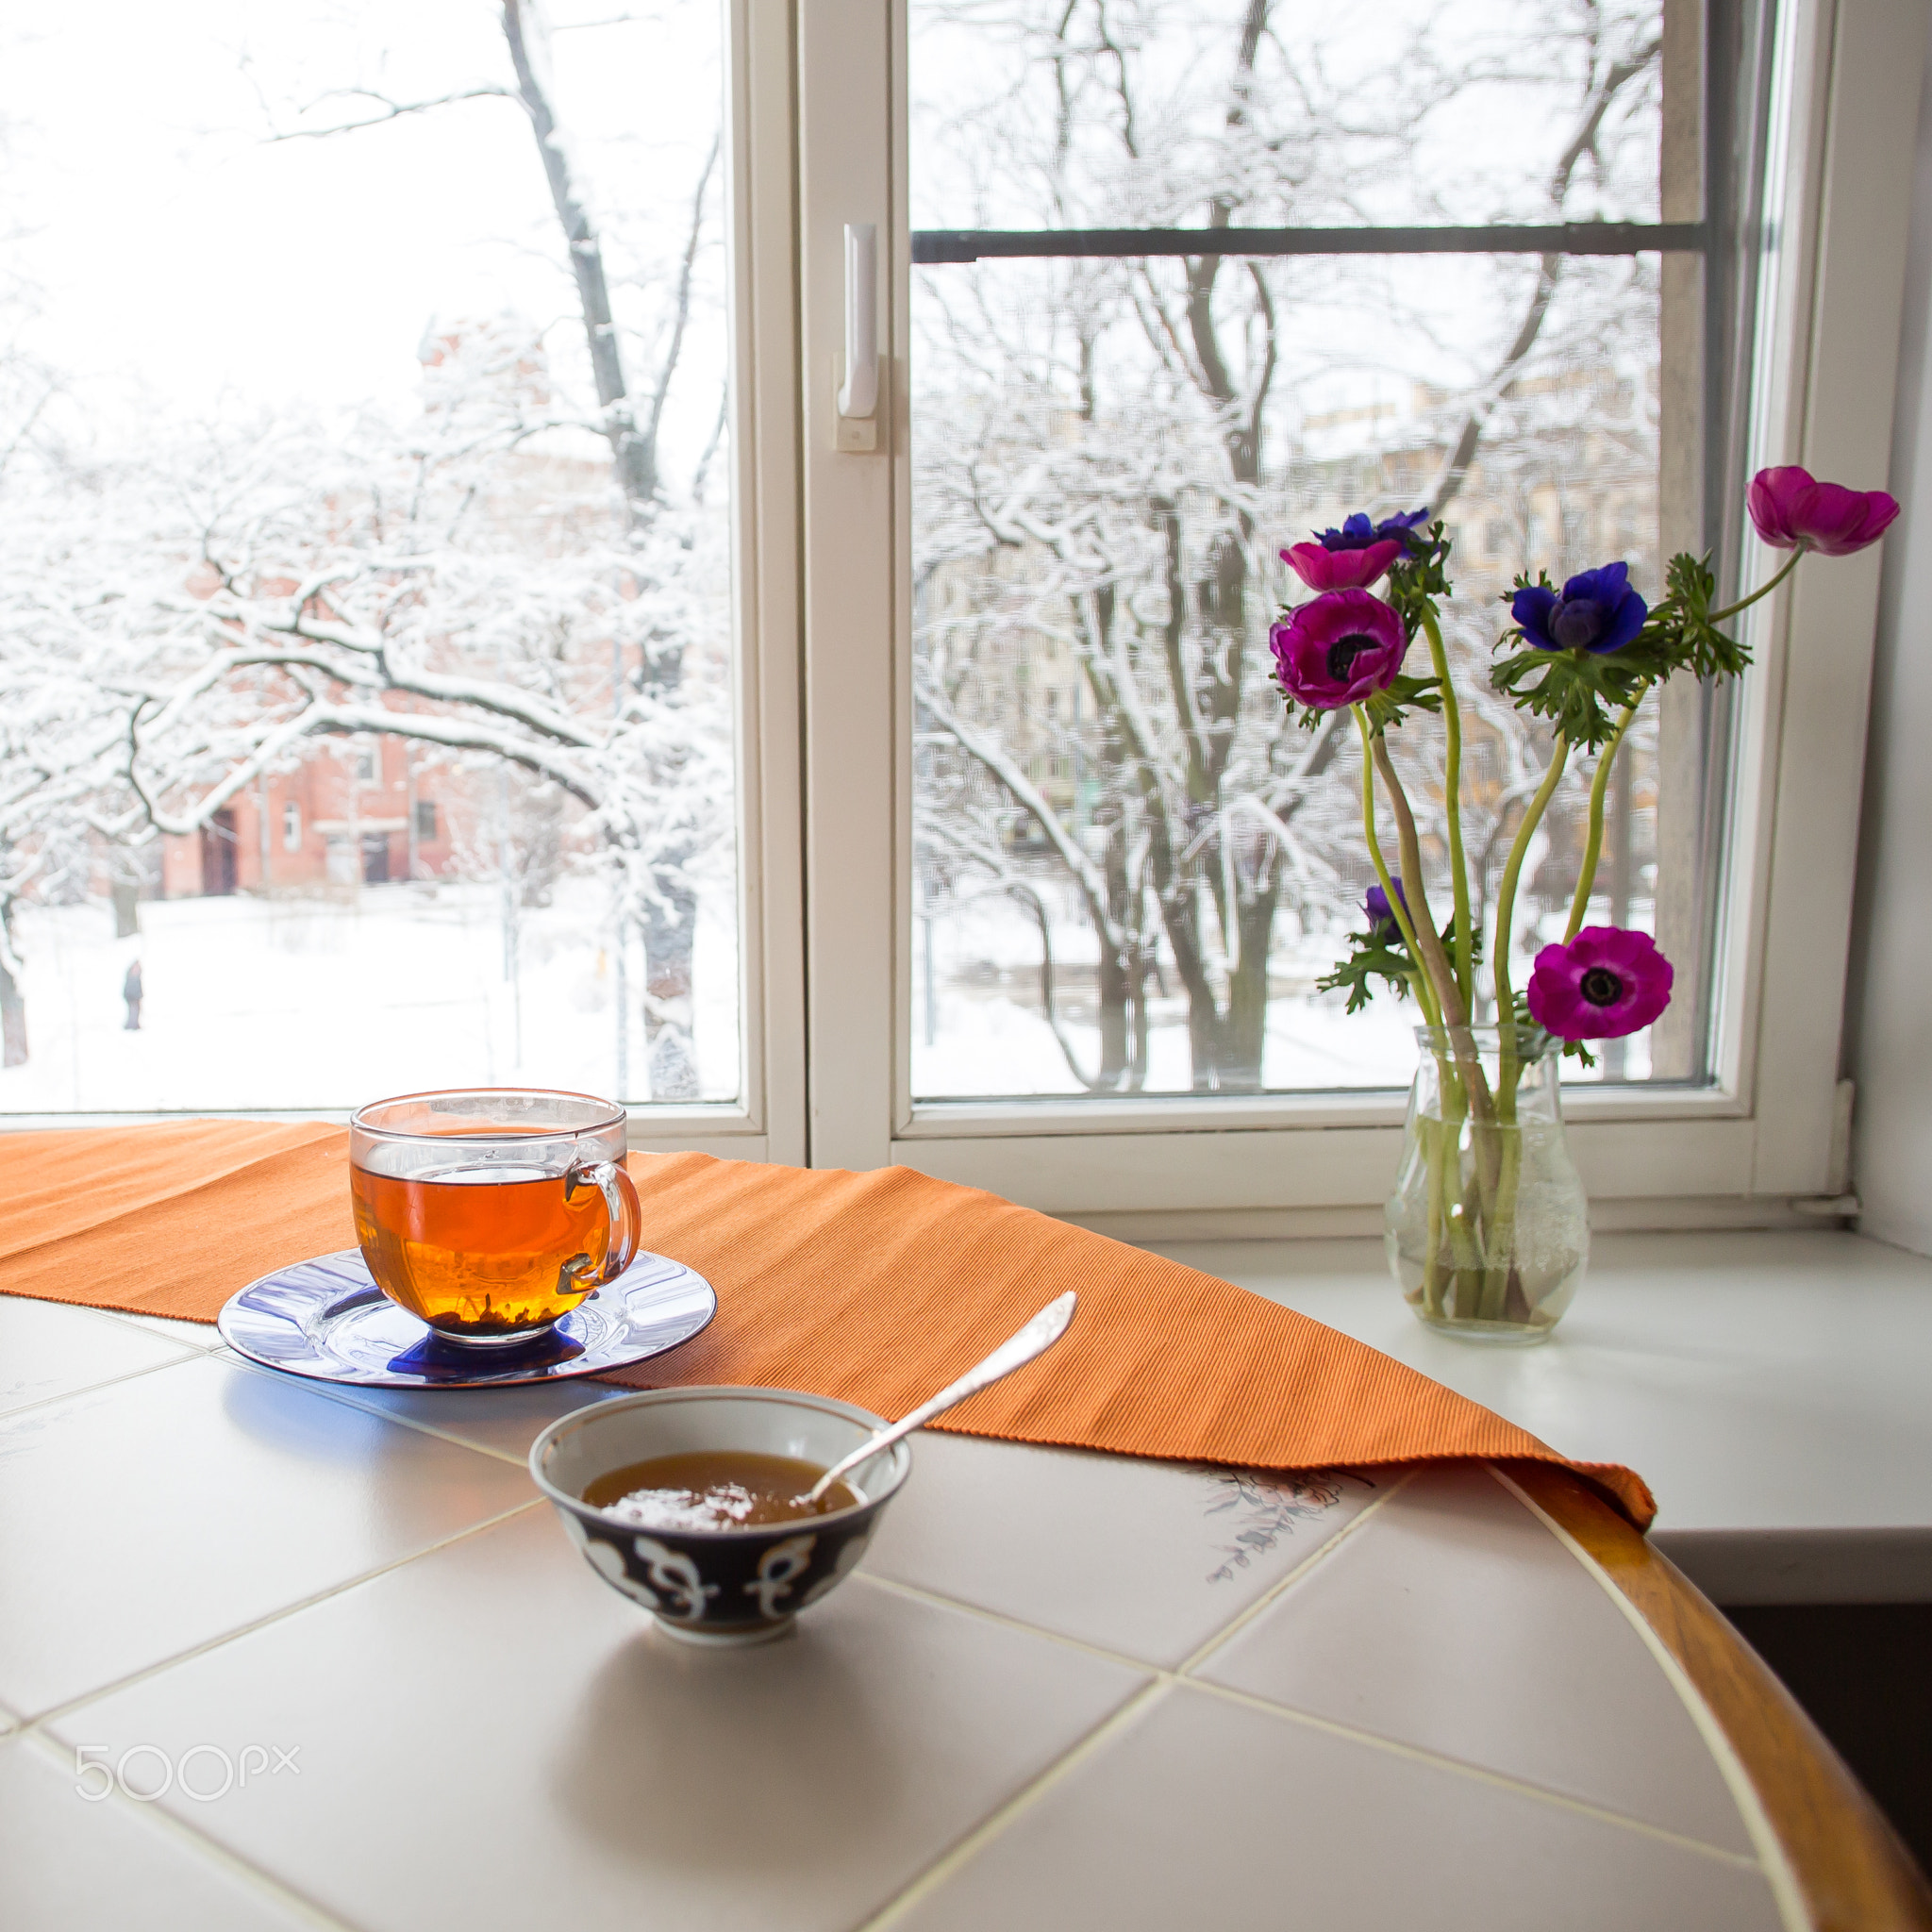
(858, 395)
(857, 377)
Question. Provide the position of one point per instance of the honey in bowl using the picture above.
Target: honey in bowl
(715, 1489)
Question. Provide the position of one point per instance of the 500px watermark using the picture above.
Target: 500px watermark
(203, 1772)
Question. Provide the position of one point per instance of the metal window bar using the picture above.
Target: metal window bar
(933, 247)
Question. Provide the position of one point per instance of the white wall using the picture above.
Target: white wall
(1888, 996)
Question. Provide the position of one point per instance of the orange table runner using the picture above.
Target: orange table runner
(874, 1287)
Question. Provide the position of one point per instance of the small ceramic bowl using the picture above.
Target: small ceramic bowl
(717, 1586)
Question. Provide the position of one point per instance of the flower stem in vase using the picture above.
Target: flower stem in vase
(1594, 845)
(1455, 1012)
(1452, 802)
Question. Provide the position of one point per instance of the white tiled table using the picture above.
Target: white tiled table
(1772, 1388)
(1064, 1690)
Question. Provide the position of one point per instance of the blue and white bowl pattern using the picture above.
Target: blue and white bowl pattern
(717, 1586)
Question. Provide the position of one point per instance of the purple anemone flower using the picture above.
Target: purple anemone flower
(1790, 506)
(1338, 649)
(1606, 982)
(1596, 611)
(1382, 921)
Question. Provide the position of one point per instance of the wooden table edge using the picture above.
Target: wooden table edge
(1851, 1870)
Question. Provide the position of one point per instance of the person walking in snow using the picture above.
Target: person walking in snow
(130, 992)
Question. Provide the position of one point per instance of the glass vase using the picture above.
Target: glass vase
(1488, 1228)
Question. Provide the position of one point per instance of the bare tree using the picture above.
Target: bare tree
(1130, 532)
(630, 420)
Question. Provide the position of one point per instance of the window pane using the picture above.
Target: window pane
(1105, 114)
(1132, 869)
(365, 632)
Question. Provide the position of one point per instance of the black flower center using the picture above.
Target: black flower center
(1601, 987)
(1577, 622)
(1345, 651)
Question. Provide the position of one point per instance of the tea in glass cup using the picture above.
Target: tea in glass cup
(490, 1212)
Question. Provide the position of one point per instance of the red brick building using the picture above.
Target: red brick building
(357, 811)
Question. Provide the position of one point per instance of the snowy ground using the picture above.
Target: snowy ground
(309, 1004)
(990, 1036)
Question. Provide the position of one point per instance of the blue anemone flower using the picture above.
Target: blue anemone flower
(1357, 532)
(1596, 611)
(1400, 526)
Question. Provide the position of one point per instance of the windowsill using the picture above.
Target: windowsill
(1770, 1387)
(1184, 1113)
(648, 1126)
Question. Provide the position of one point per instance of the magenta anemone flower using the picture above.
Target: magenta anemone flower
(1338, 649)
(1354, 556)
(1596, 611)
(1790, 506)
(1606, 982)
(1323, 569)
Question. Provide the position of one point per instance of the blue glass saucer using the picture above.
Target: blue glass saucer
(326, 1319)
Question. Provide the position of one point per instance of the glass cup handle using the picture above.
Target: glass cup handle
(625, 1213)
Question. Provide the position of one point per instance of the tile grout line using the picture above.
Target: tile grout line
(1243, 1618)
(337, 1391)
(1463, 1767)
(197, 1844)
(1178, 1676)
(919, 1593)
(129, 1318)
(1772, 1860)
(55, 1713)
(963, 1849)
(123, 1318)
(11, 1415)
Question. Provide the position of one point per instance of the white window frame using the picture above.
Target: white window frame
(1769, 1129)
(767, 1121)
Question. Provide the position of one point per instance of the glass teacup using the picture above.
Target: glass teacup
(490, 1212)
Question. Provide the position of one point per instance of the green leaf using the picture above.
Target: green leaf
(1419, 576)
(1679, 635)
(1580, 692)
(1383, 956)
(1386, 709)
(1368, 959)
(1573, 1049)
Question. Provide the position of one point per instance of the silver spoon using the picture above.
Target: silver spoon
(1014, 1353)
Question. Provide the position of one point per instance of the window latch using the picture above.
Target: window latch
(856, 374)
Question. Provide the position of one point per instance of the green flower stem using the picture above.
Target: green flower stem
(1455, 1021)
(1501, 1226)
(1764, 590)
(1500, 1235)
(1454, 1106)
(1435, 960)
(1452, 787)
(1506, 895)
(1430, 1132)
(1594, 845)
(1425, 993)
(1453, 1215)
(1432, 1138)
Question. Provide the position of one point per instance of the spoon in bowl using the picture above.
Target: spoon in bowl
(1035, 1339)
